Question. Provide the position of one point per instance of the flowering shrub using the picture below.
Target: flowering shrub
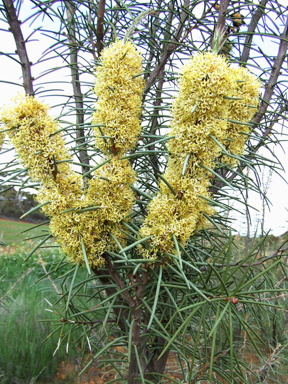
(142, 216)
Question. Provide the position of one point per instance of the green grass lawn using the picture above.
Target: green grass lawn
(10, 232)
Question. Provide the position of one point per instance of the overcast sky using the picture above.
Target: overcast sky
(276, 218)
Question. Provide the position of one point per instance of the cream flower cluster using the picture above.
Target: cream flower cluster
(94, 216)
(32, 132)
(211, 93)
(119, 89)
(108, 198)
(242, 109)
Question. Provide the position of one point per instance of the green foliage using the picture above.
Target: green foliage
(209, 300)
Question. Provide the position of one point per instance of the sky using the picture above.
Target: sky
(276, 216)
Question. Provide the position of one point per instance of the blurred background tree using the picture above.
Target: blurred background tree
(214, 297)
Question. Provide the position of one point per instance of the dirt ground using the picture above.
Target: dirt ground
(98, 373)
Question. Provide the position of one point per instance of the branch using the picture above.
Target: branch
(156, 104)
(80, 134)
(152, 45)
(222, 15)
(119, 313)
(14, 24)
(116, 278)
(273, 77)
(136, 340)
(168, 49)
(251, 29)
(90, 31)
(100, 22)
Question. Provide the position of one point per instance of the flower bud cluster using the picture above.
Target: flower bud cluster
(211, 94)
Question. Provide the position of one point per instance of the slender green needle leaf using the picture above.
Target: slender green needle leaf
(212, 221)
(34, 209)
(246, 326)
(158, 141)
(119, 245)
(220, 279)
(257, 276)
(72, 286)
(35, 226)
(101, 352)
(130, 340)
(217, 175)
(155, 298)
(96, 167)
(217, 322)
(213, 344)
(178, 250)
(104, 325)
(185, 164)
(212, 202)
(194, 108)
(85, 257)
(13, 176)
(168, 184)
(90, 209)
(141, 192)
(139, 365)
(232, 98)
(174, 336)
(135, 244)
(219, 144)
(196, 342)
(37, 246)
(239, 122)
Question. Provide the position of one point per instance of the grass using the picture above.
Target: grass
(25, 322)
(10, 232)
(23, 357)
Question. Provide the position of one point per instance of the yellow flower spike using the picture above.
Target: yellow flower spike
(211, 93)
(169, 214)
(29, 130)
(117, 127)
(241, 109)
(199, 120)
(119, 89)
